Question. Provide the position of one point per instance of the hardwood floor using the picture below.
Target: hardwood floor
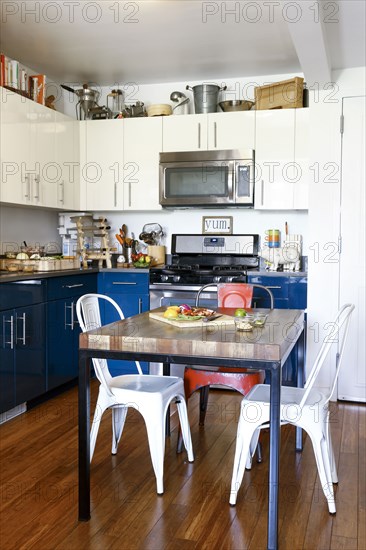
(38, 506)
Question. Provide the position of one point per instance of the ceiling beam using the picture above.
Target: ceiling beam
(305, 22)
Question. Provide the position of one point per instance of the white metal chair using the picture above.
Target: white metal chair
(150, 395)
(304, 407)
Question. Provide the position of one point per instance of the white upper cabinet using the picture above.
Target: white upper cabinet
(43, 169)
(101, 164)
(184, 133)
(37, 145)
(281, 137)
(142, 145)
(209, 132)
(231, 130)
(15, 147)
(28, 153)
(68, 162)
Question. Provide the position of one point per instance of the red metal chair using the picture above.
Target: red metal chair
(198, 377)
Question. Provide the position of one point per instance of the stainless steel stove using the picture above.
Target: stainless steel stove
(197, 260)
(203, 259)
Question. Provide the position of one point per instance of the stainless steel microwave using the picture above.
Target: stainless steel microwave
(207, 178)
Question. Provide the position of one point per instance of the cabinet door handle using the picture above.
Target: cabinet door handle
(62, 187)
(140, 305)
(122, 283)
(215, 135)
(27, 179)
(74, 316)
(129, 194)
(21, 318)
(11, 321)
(37, 179)
(199, 135)
(262, 192)
(74, 286)
(115, 194)
(71, 324)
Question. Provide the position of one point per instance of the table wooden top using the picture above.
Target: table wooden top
(142, 334)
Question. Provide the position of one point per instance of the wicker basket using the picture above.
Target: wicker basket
(287, 94)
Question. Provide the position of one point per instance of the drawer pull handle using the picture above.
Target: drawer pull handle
(122, 283)
(273, 287)
(73, 286)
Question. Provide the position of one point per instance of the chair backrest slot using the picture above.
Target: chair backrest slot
(88, 313)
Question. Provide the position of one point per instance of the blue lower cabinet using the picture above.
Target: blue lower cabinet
(289, 292)
(63, 328)
(131, 292)
(23, 372)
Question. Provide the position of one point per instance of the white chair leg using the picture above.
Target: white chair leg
(184, 424)
(244, 437)
(322, 460)
(156, 436)
(118, 421)
(252, 449)
(333, 467)
(100, 407)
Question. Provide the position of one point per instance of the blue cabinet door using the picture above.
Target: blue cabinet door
(7, 363)
(131, 292)
(289, 292)
(63, 328)
(30, 352)
(62, 363)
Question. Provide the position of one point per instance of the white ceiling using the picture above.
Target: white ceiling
(109, 42)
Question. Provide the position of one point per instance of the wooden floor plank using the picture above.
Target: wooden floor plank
(38, 474)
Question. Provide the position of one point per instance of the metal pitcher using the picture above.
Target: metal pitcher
(206, 97)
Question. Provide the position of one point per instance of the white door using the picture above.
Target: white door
(103, 171)
(67, 159)
(185, 133)
(142, 144)
(274, 159)
(15, 149)
(352, 378)
(231, 130)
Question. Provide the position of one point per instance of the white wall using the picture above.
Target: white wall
(190, 221)
(35, 226)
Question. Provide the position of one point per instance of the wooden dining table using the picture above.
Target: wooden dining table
(215, 344)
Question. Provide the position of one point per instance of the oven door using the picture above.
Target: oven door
(170, 295)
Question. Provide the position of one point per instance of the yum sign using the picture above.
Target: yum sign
(218, 225)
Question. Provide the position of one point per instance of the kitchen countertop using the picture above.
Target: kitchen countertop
(6, 277)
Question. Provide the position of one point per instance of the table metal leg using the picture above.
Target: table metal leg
(84, 437)
(274, 455)
(166, 372)
(300, 357)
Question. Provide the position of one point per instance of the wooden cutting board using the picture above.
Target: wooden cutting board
(222, 320)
